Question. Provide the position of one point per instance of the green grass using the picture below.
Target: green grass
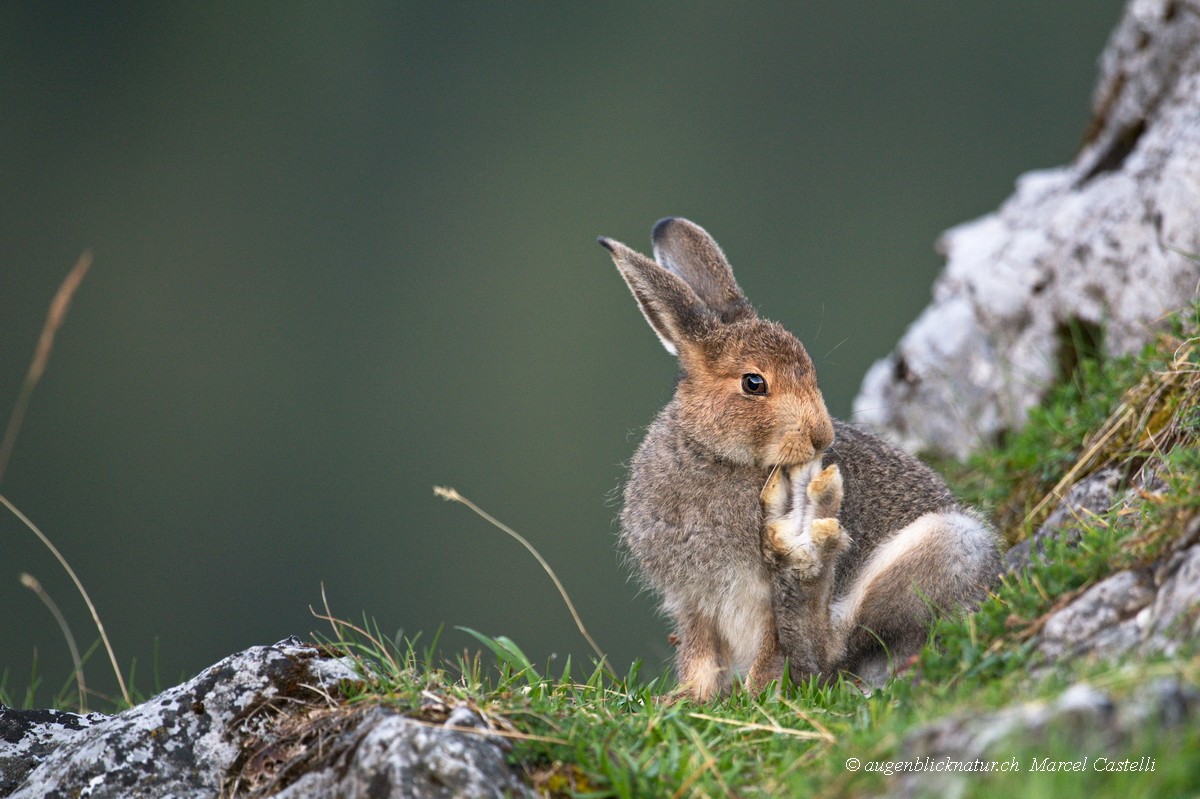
(596, 735)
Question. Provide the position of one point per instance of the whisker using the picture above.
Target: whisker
(835, 346)
(767, 482)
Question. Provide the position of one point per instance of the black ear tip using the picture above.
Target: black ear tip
(606, 243)
(660, 227)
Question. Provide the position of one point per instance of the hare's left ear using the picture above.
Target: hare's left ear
(679, 318)
(687, 250)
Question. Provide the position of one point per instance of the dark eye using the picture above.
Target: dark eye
(754, 384)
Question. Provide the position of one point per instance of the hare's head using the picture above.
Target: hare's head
(747, 389)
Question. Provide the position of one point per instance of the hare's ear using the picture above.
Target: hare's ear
(670, 306)
(687, 250)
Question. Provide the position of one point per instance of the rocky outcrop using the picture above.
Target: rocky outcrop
(388, 756)
(263, 721)
(1088, 499)
(1085, 256)
(1084, 720)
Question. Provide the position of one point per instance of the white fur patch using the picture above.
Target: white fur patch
(968, 534)
(741, 616)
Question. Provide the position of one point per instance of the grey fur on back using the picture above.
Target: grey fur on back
(885, 489)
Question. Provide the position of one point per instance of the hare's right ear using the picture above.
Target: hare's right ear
(687, 250)
(669, 304)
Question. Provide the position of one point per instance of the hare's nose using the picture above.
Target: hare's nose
(822, 437)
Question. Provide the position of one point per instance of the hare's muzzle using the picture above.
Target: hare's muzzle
(794, 447)
(802, 440)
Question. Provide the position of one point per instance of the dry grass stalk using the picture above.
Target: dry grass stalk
(774, 729)
(31, 582)
(1149, 418)
(338, 625)
(78, 586)
(452, 495)
(41, 355)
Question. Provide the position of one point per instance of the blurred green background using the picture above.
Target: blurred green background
(346, 251)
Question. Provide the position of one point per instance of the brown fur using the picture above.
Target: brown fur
(768, 529)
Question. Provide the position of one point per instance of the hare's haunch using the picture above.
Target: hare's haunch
(769, 530)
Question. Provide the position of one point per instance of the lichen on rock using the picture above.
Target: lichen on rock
(266, 721)
(179, 743)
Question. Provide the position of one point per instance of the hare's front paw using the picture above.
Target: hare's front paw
(800, 516)
(825, 492)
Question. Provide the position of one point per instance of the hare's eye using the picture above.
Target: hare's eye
(754, 384)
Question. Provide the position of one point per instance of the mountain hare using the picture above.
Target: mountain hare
(769, 529)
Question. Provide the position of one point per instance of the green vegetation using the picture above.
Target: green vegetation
(594, 735)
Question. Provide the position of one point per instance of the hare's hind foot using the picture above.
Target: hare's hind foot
(800, 507)
(942, 562)
(828, 538)
(777, 528)
(824, 492)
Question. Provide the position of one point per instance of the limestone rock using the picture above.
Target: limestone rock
(183, 741)
(1097, 245)
(1150, 610)
(1174, 617)
(1105, 619)
(389, 757)
(261, 722)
